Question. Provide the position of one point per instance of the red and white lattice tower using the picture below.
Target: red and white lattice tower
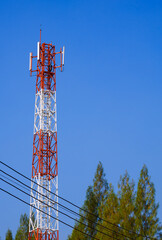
(43, 220)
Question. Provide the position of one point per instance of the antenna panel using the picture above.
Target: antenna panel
(38, 50)
(63, 55)
(30, 61)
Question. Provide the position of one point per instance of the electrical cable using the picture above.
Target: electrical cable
(61, 205)
(60, 211)
(47, 214)
(130, 231)
(12, 180)
(64, 207)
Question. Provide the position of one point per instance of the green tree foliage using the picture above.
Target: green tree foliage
(108, 211)
(160, 236)
(100, 189)
(90, 206)
(147, 222)
(126, 196)
(134, 211)
(9, 235)
(23, 230)
(87, 221)
(94, 196)
(77, 232)
(100, 185)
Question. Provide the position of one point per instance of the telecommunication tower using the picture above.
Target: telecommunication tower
(43, 220)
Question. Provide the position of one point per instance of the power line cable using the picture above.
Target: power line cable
(111, 230)
(47, 214)
(130, 231)
(64, 213)
(61, 205)
(13, 180)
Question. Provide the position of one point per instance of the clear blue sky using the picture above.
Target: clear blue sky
(109, 98)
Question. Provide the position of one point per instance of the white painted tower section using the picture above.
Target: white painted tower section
(46, 203)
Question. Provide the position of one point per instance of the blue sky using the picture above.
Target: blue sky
(109, 97)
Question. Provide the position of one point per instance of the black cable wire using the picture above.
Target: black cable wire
(63, 206)
(47, 214)
(13, 180)
(130, 231)
(56, 209)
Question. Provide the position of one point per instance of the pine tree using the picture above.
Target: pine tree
(147, 222)
(9, 235)
(100, 188)
(100, 185)
(109, 212)
(23, 230)
(136, 212)
(91, 206)
(95, 195)
(126, 196)
(78, 231)
(87, 221)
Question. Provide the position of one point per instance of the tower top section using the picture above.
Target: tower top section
(46, 65)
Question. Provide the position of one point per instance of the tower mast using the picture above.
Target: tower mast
(45, 160)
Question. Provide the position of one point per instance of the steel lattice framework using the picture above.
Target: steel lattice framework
(43, 220)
